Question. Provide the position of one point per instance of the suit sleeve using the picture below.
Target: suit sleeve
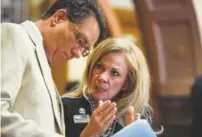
(13, 67)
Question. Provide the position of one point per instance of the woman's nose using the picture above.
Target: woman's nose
(103, 77)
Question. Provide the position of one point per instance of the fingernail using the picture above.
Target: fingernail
(138, 116)
(114, 103)
(100, 102)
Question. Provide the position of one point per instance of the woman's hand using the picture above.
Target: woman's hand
(101, 119)
(131, 116)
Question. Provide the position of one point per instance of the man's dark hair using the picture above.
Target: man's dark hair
(78, 10)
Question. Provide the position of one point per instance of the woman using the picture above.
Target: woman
(114, 90)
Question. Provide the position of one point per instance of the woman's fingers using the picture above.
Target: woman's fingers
(103, 116)
(105, 111)
(105, 108)
(130, 115)
(110, 120)
(100, 103)
(137, 116)
(109, 110)
(109, 114)
(102, 106)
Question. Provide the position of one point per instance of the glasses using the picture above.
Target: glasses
(81, 41)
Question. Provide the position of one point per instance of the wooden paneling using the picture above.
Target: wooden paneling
(173, 44)
(60, 77)
(112, 21)
(127, 17)
(173, 47)
(166, 4)
(176, 56)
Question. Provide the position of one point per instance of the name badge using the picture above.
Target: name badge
(81, 118)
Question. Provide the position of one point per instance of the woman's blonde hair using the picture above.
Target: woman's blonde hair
(138, 91)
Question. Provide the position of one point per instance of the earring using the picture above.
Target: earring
(123, 95)
(123, 92)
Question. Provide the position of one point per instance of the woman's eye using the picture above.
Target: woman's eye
(115, 73)
(99, 66)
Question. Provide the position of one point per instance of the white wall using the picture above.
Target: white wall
(76, 68)
(128, 4)
(198, 10)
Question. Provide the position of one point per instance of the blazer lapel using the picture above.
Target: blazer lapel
(45, 69)
(33, 32)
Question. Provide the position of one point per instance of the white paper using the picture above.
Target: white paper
(139, 128)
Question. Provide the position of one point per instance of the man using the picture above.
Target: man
(30, 103)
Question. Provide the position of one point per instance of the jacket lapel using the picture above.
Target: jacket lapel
(46, 72)
(36, 38)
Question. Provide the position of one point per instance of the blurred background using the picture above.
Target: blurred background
(169, 32)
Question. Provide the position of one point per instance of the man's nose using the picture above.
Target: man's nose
(77, 53)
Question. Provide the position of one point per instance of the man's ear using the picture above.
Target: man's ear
(60, 16)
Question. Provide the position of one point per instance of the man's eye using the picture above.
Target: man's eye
(115, 73)
(80, 42)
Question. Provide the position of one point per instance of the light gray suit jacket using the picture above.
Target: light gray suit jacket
(30, 103)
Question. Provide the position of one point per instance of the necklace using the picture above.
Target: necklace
(109, 132)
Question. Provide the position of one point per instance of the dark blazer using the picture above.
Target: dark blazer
(196, 99)
(75, 108)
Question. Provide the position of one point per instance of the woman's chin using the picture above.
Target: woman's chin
(98, 97)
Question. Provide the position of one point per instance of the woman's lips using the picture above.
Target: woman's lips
(101, 89)
(101, 86)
